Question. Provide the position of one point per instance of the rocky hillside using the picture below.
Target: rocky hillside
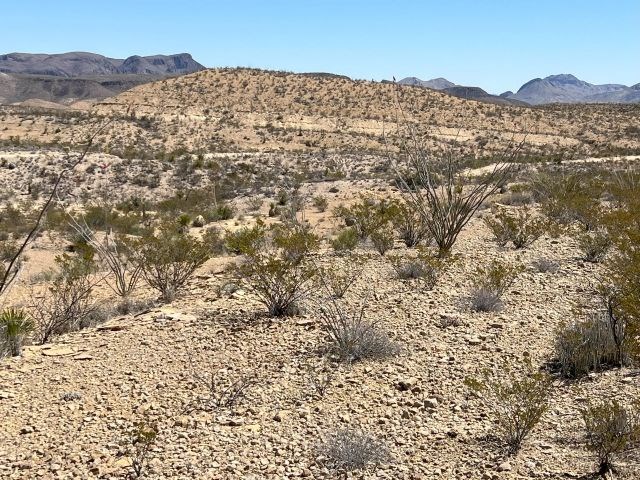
(77, 64)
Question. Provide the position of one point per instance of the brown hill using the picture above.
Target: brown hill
(253, 110)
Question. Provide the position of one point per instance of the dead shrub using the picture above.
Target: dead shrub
(67, 303)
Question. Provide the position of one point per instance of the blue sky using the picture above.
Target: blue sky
(497, 45)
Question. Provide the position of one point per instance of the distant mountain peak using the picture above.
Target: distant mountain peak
(567, 88)
(435, 83)
(76, 64)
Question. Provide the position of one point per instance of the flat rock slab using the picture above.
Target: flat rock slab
(58, 351)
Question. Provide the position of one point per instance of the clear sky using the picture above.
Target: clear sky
(495, 44)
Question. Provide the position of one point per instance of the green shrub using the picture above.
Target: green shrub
(320, 202)
(247, 240)
(277, 269)
(409, 225)
(521, 228)
(366, 216)
(611, 430)
(594, 245)
(169, 259)
(517, 402)
(382, 240)
(346, 241)
(15, 326)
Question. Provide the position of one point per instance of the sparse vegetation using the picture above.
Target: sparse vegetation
(518, 402)
(350, 450)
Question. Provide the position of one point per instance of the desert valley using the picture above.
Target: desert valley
(226, 273)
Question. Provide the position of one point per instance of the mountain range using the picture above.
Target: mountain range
(68, 78)
(563, 88)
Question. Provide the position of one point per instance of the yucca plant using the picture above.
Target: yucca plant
(15, 325)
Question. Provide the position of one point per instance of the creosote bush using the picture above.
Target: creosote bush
(169, 259)
(518, 402)
(276, 267)
(349, 450)
(382, 240)
(410, 225)
(521, 227)
(611, 430)
(594, 245)
(346, 241)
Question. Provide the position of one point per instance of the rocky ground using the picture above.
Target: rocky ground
(67, 406)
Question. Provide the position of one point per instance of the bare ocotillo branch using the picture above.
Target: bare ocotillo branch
(11, 271)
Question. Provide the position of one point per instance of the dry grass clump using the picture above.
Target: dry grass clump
(545, 265)
(353, 337)
(489, 285)
(349, 450)
(424, 267)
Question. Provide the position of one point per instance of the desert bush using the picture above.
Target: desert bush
(366, 216)
(117, 254)
(410, 225)
(346, 241)
(586, 345)
(424, 267)
(214, 241)
(138, 442)
(246, 240)
(169, 259)
(348, 450)
(594, 245)
(522, 228)
(611, 430)
(320, 202)
(518, 402)
(438, 190)
(275, 267)
(568, 198)
(545, 265)
(352, 337)
(67, 303)
(220, 390)
(15, 327)
(490, 283)
(382, 240)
